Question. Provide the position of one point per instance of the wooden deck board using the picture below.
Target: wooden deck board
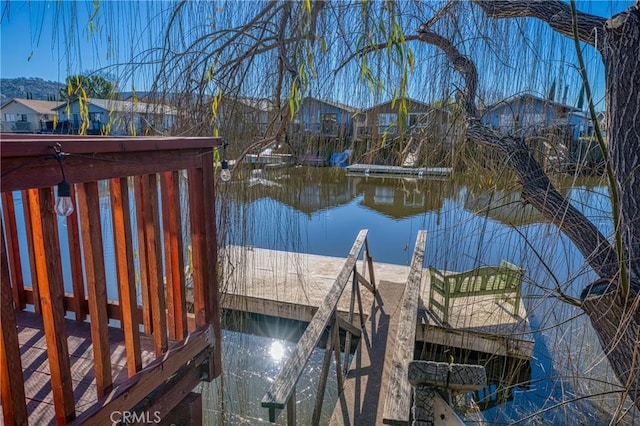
(36, 374)
(292, 283)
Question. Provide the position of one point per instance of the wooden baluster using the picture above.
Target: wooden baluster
(198, 245)
(75, 257)
(142, 254)
(26, 206)
(91, 230)
(46, 250)
(14, 408)
(13, 251)
(213, 288)
(154, 263)
(174, 262)
(204, 248)
(120, 211)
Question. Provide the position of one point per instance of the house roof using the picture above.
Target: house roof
(128, 106)
(260, 104)
(526, 97)
(345, 107)
(427, 106)
(40, 107)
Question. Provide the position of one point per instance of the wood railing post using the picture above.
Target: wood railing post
(347, 338)
(174, 262)
(142, 254)
(91, 229)
(154, 263)
(204, 250)
(291, 409)
(370, 263)
(28, 195)
(49, 282)
(14, 408)
(13, 251)
(214, 314)
(322, 385)
(125, 268)
(75, 260)
(336, 349)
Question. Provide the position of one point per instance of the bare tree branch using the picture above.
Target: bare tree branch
(537, 189)
(554, 12)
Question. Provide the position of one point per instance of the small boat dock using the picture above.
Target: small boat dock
(377, 169)
(394, 316)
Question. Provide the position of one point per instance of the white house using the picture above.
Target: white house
(113, 117)
(27, 115)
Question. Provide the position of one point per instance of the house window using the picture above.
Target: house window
(388, 123)
(329, 123)
(95, 116)
(10, 117)
(418, 119)
(383, 196)
(22, 117)
(414, 200)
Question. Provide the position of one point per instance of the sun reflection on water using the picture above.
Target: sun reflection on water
(277, 351)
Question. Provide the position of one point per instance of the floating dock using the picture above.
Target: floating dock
(376, 169)
(295, 285)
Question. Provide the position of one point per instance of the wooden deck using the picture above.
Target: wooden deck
(294, 285)
(37, 380)
(53, 369)
(377, 169)
(290, 285)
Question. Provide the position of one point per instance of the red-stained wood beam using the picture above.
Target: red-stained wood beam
(154, 262)
(13, 251)
(142, 254)
(91, 230)
(174, 261)
(75, 259)
(125, 268)
(47, 255)
(26, 207)
(212, 289)
(14, 408)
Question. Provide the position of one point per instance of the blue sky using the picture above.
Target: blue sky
(33, 43)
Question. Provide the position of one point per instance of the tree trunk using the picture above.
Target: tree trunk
(621, 55)
(615, 315)
(613, 310)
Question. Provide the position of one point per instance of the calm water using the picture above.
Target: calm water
(470, 222)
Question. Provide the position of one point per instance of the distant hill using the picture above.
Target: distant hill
(35, 88)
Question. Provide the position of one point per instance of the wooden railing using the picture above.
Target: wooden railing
(138, 183)
(397, 405)
(281, 394)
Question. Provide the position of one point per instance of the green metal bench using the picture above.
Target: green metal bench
(504, 281)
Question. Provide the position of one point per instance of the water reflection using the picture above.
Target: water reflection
(277, 351)
(471, 221)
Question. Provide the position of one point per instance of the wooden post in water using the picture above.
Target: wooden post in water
(322, 385)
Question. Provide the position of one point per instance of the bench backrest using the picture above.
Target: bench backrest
(485, 280)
